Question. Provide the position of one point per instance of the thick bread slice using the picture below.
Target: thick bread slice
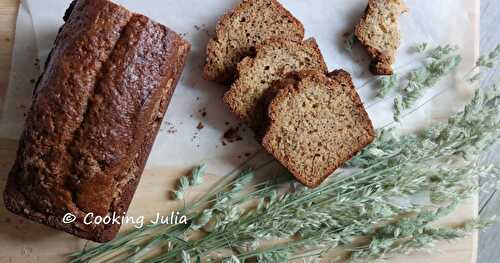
(316, 124)
(274, 60)
(378, 31)
(240, 30)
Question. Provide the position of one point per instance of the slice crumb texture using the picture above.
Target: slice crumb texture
(275, 58)
(316, 124)
(241, 30)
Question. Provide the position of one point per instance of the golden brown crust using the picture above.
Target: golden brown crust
(220, 66)
(94, 117)
(291, 85)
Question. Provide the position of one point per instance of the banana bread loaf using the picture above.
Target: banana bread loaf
(95, 114)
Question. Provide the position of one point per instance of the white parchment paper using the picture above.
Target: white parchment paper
(180, 143)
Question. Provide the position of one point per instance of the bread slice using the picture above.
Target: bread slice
(274, 59)
(378, 31)
(240, 30)
(316, 124)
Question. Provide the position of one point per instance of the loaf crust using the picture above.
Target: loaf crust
(95, 114)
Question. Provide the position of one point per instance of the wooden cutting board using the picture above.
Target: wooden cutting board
(24, 241)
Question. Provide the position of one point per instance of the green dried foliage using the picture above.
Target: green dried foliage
(186, 182)
(421, 48)
(443, 61)
(349, 42)
(438, 63)
(197, 175)
(489, 60)
(387, 84)
(485, 62)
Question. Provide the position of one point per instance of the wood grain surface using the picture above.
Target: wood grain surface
(8, 10)
(23, 241)
(489, 202)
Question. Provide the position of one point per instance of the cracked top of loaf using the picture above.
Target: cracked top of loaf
(95, 113)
